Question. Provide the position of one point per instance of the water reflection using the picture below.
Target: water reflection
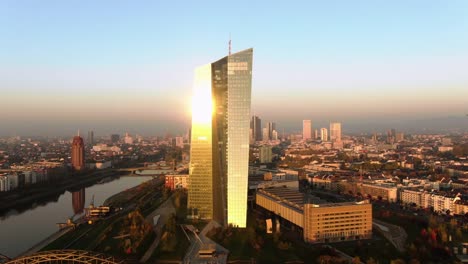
(22, 229)
(78, 201)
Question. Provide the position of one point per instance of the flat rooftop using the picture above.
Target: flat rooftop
(294, 198)
(340, 204)
(282, 193)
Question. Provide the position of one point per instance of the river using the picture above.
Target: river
(21, 231)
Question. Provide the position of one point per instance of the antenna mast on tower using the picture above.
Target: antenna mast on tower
(229, 44)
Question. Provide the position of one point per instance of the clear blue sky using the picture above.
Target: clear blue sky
(128, 65)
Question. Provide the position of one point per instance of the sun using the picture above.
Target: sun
(202, 103)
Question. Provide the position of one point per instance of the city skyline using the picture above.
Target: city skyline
(405, 65)
(344, 141)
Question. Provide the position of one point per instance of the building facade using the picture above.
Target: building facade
(336, 222)
(306, 129)
(77, 155)
(321, 222)
(335, 132)
(90, 138)
(439, 202)
(265, 134)
(265, 154)
(4, 184)
(177, 181)
(271, 126)
(219, 148)
(256, 126)
(324, 134)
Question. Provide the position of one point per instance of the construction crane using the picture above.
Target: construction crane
(91, 204)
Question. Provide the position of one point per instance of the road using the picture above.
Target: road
(165, 211)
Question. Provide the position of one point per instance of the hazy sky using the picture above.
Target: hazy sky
(128, 65)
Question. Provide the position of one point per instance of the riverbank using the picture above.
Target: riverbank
(46, 241)
(137, 203)
(19, 237)
(127, 195)
(50, 193)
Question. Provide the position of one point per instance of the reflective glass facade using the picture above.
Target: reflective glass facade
(230, 87)
(200, 196)
(238, 119)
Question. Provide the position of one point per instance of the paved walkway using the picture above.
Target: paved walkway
(165, 211)
(395, 234)
(200, 239)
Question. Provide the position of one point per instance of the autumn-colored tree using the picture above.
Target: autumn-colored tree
(356, 260)
(414, 261)
(398, 261)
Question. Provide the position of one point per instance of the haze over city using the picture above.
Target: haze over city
(234, 132)
(116, 66)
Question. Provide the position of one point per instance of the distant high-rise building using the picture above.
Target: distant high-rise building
(219, 150)
(77, 155)
(391, 134)
(179, 142)
(266, 135)
(271, 126)
(265, 154)
(128, 139)
(306, 129)
(324, 134)
(256, 126)
(316, 134)
(335, 132)
(274, 135)
(400, 137)
(90, 140)
(115, 138)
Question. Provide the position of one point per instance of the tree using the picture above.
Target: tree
(443, 235)
(356, 260)
(324, 259)
(413, 250)
(166, 193)
(283, 245)
(458, 234)
(371, 261)
(433, 223)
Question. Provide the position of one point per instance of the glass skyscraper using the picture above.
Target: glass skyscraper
(219, 151)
